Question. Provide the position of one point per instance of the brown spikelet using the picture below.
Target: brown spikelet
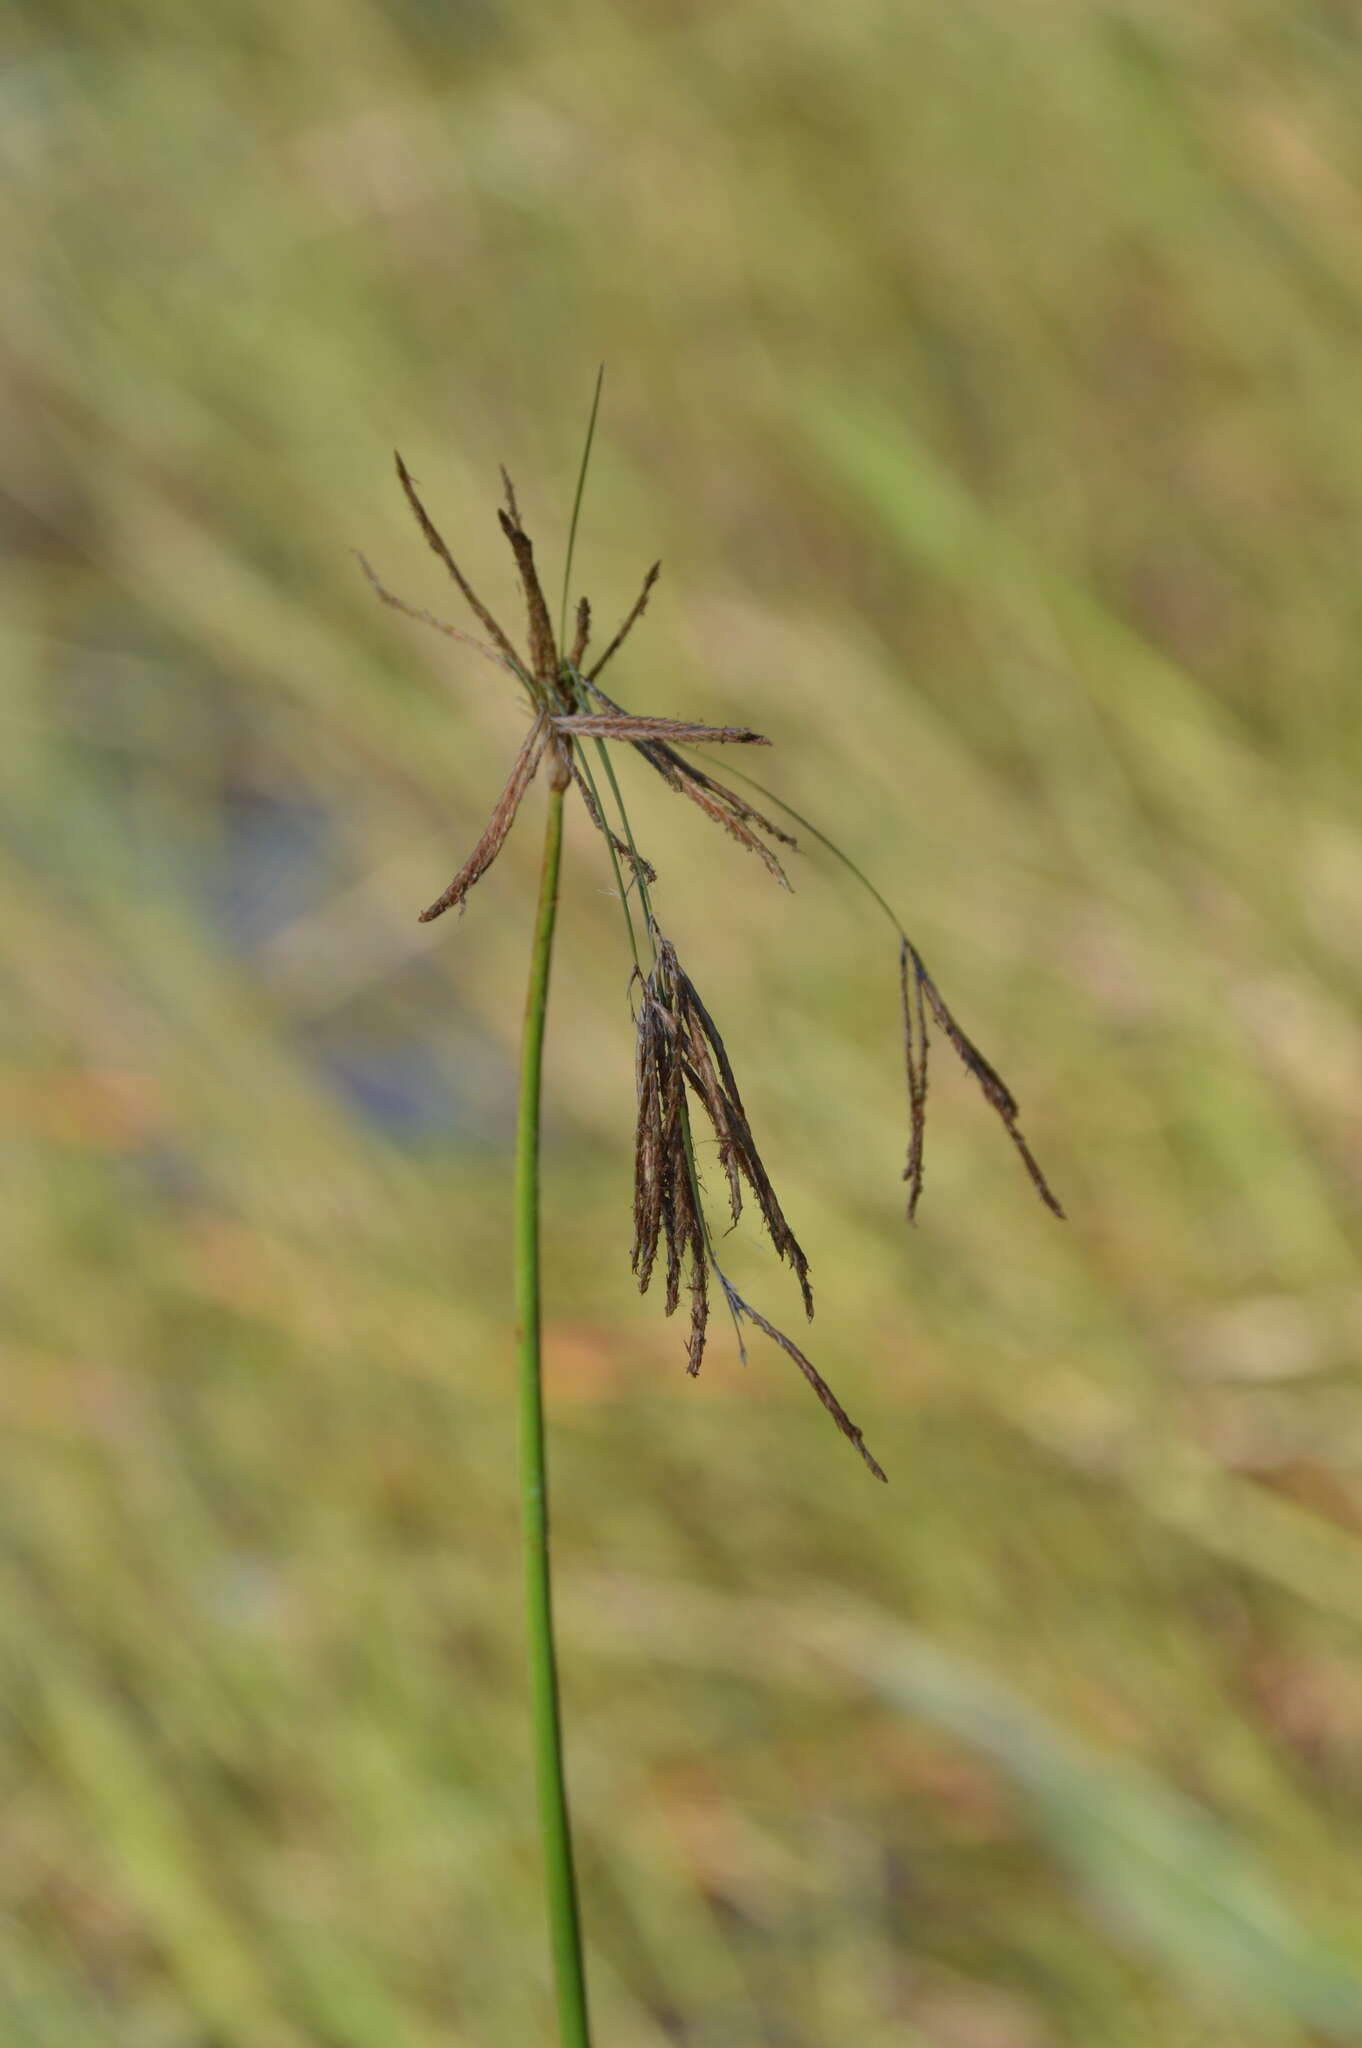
(640, 606)
(712, 798)
(741, 809)
(543, 651)
(673, 1176)
(699, 1305)
(503, 817)
(583, 633)
(437, 544)
(992, 1086)
(915, 1061)
(623, 851)
(610, 725)
(743, 1311)
(650, 1070)
(705, 1082)
(691, 1255)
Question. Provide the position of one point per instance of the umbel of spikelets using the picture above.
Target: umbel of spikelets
(681, 1062)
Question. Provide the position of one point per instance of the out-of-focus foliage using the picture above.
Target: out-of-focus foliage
(986, 376)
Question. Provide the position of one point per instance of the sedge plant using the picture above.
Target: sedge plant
(682, 1069)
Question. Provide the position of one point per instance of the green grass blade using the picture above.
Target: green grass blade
(577, 504)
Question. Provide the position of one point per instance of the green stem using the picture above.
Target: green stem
(555, 1831)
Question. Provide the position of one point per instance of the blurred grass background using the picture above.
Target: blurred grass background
(986, 377)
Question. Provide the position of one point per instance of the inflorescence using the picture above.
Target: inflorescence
(680, 1057)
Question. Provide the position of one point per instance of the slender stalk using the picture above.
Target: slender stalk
(555, 1830)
